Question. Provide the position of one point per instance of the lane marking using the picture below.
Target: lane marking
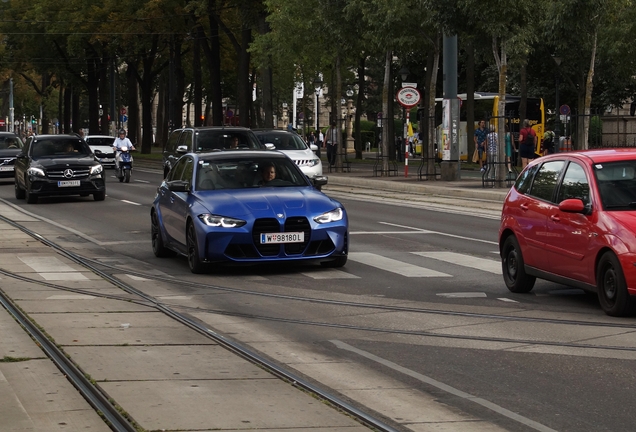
(464, 260)
(130, 202)
(136, 278)
(71, 297)
(63, 276)
(507, 300)
(445, 387)
(440, 233)
(330, 274)
(463, 295)
(394, 266)
(46, 264)
(141, 181)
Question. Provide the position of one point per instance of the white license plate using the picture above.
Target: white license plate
(108, 160)
(68, 183)
(6, 167)
(288, 237)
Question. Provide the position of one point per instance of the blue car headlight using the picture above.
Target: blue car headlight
(96, 169)
(330, 216)
(36, 172)
(221, 221)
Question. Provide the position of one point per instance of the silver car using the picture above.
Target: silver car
(295, 147)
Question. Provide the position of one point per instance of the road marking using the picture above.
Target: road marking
(63, 276)
(445, 387)
(330, 274)
(71, 297)
(440, 233)
(130, 202)
(503, 299)
(136, 278)
(394, 266)
(46, 264)
(463, 295)
(464, 260)
(142, 181)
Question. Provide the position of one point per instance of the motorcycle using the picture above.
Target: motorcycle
(125, 161)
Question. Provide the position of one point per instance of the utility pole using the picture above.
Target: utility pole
(450, 113)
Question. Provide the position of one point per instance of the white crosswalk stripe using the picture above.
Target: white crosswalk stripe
(464, 260)
(394, 266)
(330, 274)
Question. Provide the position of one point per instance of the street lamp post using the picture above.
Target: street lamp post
(557, 130)
(404, 74)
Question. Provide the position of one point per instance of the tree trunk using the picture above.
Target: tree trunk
(589, 85)
(359, 145)
(177, 86)
(432, 132)
(213, 56)
(46, 82)
(162, 125)
(243, 92)
(76, 118)
(104, 86)
(68, 93)
(196, 67)
(132, 102)
(502, 65)
(266, 78)
(93, 96)
(470, 97)
(386, 101)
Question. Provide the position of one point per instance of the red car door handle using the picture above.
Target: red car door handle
(555, 218)
(524, 207)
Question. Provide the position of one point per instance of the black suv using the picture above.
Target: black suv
(10, 146)
(206, 139)
(58, 165)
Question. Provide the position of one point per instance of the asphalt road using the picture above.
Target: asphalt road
(519, 375)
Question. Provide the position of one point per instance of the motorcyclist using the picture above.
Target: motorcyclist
(121, 141)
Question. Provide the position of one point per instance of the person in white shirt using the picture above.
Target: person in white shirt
(121, 141)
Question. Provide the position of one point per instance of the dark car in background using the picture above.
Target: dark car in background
(102, 147)
(51, 165)
(10, 146)
(206, 139)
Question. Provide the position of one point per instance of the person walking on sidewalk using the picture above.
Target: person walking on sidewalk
(492, 142)
(510, 149)
(480, 143)
(527, 143)
(331, 143)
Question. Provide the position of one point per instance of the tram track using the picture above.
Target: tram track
(99, 401)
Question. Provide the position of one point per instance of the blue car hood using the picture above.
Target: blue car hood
(266, 202)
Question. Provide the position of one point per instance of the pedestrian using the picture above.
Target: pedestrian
(547, 146)
(480, 143)
(527, 143)
(331, 142)
(492, 144)
(510, 149)
(398, 148)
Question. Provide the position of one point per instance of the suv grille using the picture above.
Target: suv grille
(78, 173)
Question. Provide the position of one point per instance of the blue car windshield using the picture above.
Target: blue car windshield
(247, 173)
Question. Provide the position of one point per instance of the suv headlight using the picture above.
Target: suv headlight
(221, 221)
(330, 216)
(314, 162)
(36, 172)
(96, 169)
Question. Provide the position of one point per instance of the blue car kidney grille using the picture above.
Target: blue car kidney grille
(57, 174)
(297, 224)
(270, 225)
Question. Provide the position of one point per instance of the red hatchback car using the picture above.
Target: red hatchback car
(571, 218)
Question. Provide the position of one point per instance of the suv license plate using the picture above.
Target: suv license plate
(7, 168)
(288, 237)
(68, 183)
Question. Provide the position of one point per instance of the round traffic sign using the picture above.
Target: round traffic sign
(564, 110)
(122, 111)
(408, 97)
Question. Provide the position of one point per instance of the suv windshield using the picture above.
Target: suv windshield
(207, 140)
(282, 140)
(10, 142)
(59, 148)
